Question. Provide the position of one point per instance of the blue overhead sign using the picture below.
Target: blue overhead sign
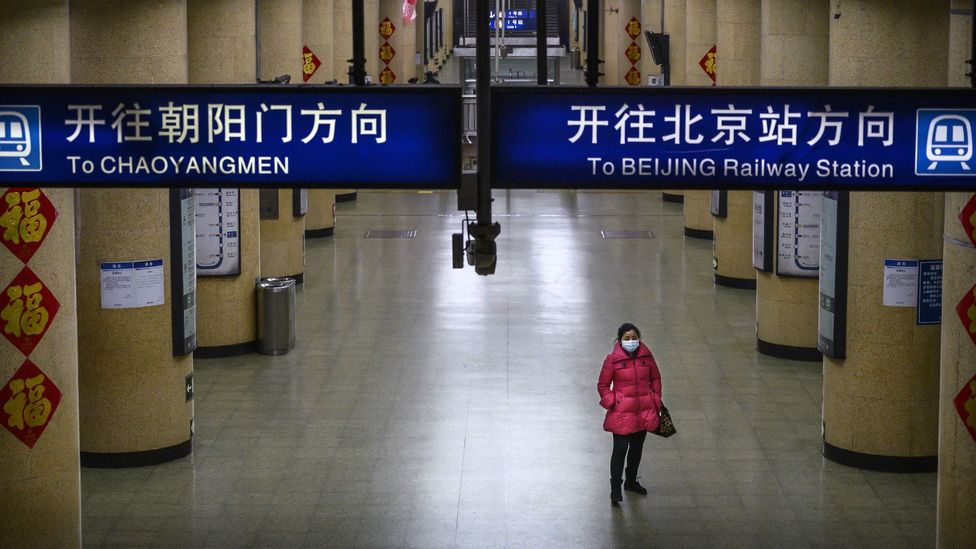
(746, 138)
(273, 136)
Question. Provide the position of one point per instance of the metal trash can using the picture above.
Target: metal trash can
(276, 315)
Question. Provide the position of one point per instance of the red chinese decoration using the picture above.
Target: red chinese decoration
(633, 76)
(386, 53)
(633, 28)
(26, 219)
(966, 309)
(633, 53)
(387, 76)
(968, 218)
(28, 400)
(409, 10)
(387, 28)
(310, 64)
(27, 309)
(708, 64)
(965, 403)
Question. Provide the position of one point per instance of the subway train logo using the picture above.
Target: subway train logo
(944, 142)
(20, 138)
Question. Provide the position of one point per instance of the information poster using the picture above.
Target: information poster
(183, 276)
(900, 282)
(929, 291)
(798, 248)
(832, 314)
(132, 284)
(218, 240)
(719, 203)
(762, 241)
(299, 202)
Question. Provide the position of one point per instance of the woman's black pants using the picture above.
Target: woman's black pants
(630, 446)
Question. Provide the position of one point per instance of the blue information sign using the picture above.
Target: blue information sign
(515, 20)
(930, 291)
(274, 136)
(738, 138)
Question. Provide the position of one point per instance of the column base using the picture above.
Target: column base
(348, 197)
(119, 460)
(221, 351)
(677, 198)
(808, 354)
(319, 233)
(732, 282)
(886, 464)
(704, 234)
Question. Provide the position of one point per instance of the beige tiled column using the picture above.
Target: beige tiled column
(738, 40)
(280, 41)
(133, 404)
(881, 403)
(404, 40)
(221, 49)
(615, 41)
(41, 484)
(675, 25)
(794, 36)
(701, 33)
(956, 508)
(318, 30)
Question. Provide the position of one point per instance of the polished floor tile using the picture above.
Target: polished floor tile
(430, 407)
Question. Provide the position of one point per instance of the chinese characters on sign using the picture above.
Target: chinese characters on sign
(26, 219)
(310, 64)
(213, 136)
(965, 403)
(966, 309)
(28, 399)
(27, 309)
(387, 76)
(633, 52)
(929, 307)
(708, 64)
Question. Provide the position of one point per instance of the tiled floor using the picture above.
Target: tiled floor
(429, 407)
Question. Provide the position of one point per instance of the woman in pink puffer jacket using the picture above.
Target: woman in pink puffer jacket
(630, 390)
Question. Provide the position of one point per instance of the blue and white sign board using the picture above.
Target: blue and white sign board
(214, 136)
(740, 138)
(930, 291)
(515, 20)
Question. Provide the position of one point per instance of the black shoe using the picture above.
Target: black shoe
(634, 486)
(616, 495)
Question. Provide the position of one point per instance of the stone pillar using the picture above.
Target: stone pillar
(221, 49)
(614, 40)
(675, 25)
(342, 48)
(318, 24)
(738, 40)
(881, 403)
(318, 30)
(403, 41)
(280, 41)
(133, 402)
(40, 476)
(794, 35)
(701, 36)
(957, 447)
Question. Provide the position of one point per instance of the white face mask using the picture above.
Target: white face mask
(630, 345)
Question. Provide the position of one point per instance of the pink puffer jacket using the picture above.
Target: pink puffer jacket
(635, 397)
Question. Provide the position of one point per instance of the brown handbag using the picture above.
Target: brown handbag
(666, 427)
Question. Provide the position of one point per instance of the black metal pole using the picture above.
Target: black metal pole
(592, 42)
(972, 48)
(483, 91)
(542, 63)
(358, 43)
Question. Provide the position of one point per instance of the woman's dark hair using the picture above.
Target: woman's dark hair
(626, 327)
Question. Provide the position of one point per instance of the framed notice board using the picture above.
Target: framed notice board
(834, 245)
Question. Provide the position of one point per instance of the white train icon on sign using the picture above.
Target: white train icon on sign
(20, 138)
(15, 136)
(950, 139)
